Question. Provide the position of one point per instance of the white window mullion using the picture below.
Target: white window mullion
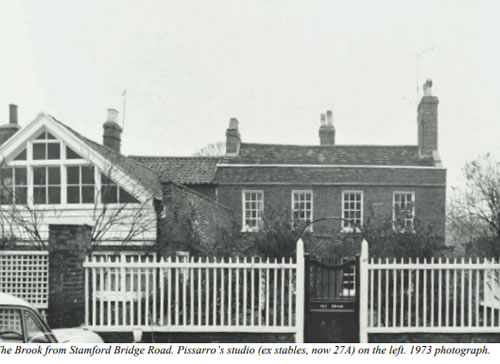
(97, 180)
(30, 186)
(80, 184)
(64, 197)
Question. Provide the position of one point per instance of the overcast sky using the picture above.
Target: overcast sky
(188, 66)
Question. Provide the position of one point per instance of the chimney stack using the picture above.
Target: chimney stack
(112, 132)
(233, 138)
(427, 120)
(327, 130)
(8, 130)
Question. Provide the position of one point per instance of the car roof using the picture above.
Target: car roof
(9, 300)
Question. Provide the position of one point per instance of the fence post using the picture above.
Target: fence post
(300, 294)
(363, 293)
(307, 289)
(86, 288)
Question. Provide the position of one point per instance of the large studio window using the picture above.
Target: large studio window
(13, 185)
(80, 184)
(47, 185)
(112, 193)
(46, 147)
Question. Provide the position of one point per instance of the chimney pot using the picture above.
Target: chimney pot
(233, 124)
(327, 130)
(13, 114)
(323, 120)
(329, 118)
(428, 88)
(112, 115)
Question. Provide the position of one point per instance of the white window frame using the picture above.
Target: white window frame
(245, 227)
(403, 229)
(346, 227)
(80, 185)
(311, 218)
(14, 185)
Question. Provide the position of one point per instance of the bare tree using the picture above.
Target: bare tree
(132, 217)
(19, 220)
(474, 211)
(217, 149)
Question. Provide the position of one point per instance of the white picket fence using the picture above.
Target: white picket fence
(25, 274)
(431, 296)
(198, 295)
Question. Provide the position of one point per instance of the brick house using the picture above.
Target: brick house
(351, 182)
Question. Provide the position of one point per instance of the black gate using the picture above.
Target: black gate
(332, 300)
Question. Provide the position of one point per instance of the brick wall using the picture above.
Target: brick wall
(68, 246)
(190, 219)
(327, 201)
(207, 190)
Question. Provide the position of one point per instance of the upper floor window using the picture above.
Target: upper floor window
(302, 207)
(46, 147)
(47, 185)
(112, 193)
(352, 209)
(80, 184)
(253, 209)
(71, 154)
(21, 156)
(13, 185)
(403, 211)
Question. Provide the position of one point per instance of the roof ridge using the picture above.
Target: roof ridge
(174, 157)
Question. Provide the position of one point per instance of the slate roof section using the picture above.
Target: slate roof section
(140, 173)
(320, 176)
(384, 155)
(183, 170)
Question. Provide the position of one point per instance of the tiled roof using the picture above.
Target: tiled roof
(386, 155)
(317, 175)
(141, 174)
(184, 170)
